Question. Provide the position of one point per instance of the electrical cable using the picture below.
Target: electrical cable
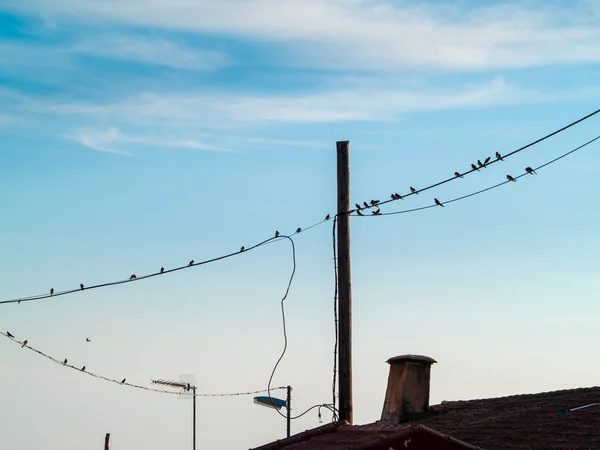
(285, 340)
(162, 271)
(472, 194)
(83, 369)
(335, 314)
(460, 175)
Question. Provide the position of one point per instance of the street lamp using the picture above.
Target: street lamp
(187, 387)
(277, 403)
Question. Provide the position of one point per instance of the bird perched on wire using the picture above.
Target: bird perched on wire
(509, 178)
(413, 190)
(359, 213)
(479, 163)
(357, 206)
(52, 291)
(458, 175)
(474, 167)
(277, 234)
(299, 230)
(377, 212)
(132, 277)
(82, 287)
(24, 343)
(242, 249)
(374, 202)
(123, 380)
(499, 156)
(65, 362)
(530, 171)
(437, 202)
(327, 217)
(366, 204)
(88, 340)
(397, 196)
(9, 334)
(486, 161)
(162, 270)
(191, 263)
(83, 369)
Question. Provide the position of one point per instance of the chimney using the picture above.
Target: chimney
(407, 392)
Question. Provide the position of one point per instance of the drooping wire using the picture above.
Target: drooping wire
(514, 152)
(285, 339)
(335, 312)
(160, 272)
(84, 370)
(481, 191)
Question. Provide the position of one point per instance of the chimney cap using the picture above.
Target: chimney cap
(419, 359)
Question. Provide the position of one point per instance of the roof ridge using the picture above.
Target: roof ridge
(558, 391)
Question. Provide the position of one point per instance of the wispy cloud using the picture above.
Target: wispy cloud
(113, 140)
(223, 109)
(364, 34)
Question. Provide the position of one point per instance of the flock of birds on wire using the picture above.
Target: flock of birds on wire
(25, 342)
(396, 196)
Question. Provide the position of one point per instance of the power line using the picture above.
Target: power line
(481, 191)
(474, 168)
(162, 271)
(335, 312)
(84, 370)
(285, 339)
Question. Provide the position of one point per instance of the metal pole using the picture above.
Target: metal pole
(194, 426)
(344, 280)
(288, 404)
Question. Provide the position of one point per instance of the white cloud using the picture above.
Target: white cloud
(364, 34)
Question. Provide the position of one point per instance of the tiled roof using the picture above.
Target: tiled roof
(532, 421)
(341, 436)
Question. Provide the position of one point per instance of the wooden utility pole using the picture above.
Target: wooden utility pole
(344, 282)
(106, 439)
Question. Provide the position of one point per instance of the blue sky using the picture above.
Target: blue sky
(139, 134)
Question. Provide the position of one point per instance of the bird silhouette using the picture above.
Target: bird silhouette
(327, 217)
(458, 175)
(191, 263)
(277, 234)
(188, 387)
(299, 230)
(9, 334)
(479, 163)
(88, 340)
(374, 202)
(242, 249)
(530, 171)
(359, 213)
(52, 291)
(487, 160)
(132, 277)
(82, 287)
(437, 202)
(65, 362)
(162, 270)
(474, 167)
(377, 212)
(83, 369)
(509, 178)
(366, 204)
(123, 380)
(499, 156)
(413, 190)
(357, 206)
(398, 196)
(24, 343)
